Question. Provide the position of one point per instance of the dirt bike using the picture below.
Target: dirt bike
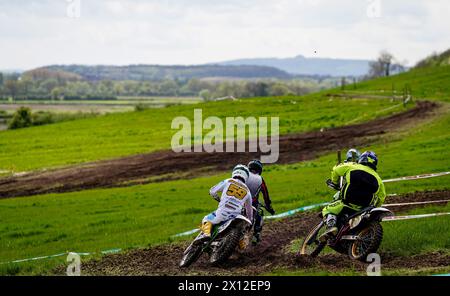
(359, 234)
(224, 241)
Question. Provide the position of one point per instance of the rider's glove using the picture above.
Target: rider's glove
(270, 210)
(332, 185)
(216, 197)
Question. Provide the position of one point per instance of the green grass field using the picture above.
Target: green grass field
(95, 220)
(143, 215)
(115, 135)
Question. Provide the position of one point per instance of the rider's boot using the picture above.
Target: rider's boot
(257, 229)
(331, 228)
(206, 228)
(242, 244)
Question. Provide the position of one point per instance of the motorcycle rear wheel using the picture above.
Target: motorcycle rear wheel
(227, 245)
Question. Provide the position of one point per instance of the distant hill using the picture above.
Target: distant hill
(435, 59)
(45, 73)
(156, 72)
(301, 65)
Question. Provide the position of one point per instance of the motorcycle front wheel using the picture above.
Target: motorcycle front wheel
(191, 255)
(311, 245)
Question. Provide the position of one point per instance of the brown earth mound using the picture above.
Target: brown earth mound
(165, 165)
(271, 254)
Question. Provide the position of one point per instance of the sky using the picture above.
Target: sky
(120, 32)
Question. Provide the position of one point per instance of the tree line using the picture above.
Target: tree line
(23, 87)
(59, 84)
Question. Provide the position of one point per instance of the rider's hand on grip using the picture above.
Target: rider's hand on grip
(271, 210)
(332, 185)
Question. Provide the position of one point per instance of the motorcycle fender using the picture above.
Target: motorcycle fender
(354, 222)
(199, 236)
(225, 226)
(379, 213)
(244, 218)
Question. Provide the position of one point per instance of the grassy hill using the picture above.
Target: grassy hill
(434, 60)
(431, 83)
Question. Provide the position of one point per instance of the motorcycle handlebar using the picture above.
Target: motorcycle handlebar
(332, 185)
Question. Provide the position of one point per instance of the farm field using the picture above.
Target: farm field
(99, 108)
(122, 104)
(168, 165)
(96, 107)
(146, 215)
(121, 134)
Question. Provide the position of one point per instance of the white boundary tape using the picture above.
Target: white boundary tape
(35, 258)
(294, 211)
(110, 251)
(397, 218)
(417, 177)
(416, 203)
(189, 232)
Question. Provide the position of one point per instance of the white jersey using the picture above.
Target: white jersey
(254, 183)
(235, 197)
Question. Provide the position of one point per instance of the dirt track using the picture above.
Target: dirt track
(166, 165)
(271, 254)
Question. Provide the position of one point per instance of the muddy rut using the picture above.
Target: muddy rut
(271, 254)
(167, 165)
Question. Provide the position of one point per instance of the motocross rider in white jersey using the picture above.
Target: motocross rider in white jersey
(234, 199)
(256, 184)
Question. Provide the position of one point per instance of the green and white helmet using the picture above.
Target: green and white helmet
(352, 155)
(241, 171)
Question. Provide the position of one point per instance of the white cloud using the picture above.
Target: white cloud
(35, 33)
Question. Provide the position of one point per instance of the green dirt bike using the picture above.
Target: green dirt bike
(224, 241)
(359, 234)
